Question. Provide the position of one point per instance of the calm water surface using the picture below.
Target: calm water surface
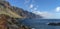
(41, 23)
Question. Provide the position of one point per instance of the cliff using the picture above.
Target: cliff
(5, 9)
(25, 14)
(15, 12)
(9, 16)
(7, 22)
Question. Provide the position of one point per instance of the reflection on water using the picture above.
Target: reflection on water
(33, 28)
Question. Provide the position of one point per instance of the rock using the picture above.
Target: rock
(54, 24)
(24, 13)
(9, 16)
(3, 21)
(16, 12)
(7, 22)
(24, 27)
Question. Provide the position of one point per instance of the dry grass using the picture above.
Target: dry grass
(7, 11)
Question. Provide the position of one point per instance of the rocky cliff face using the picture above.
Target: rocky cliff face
(25, 14)
(7, 22)
(3, 23)
(15, 12)
(5, 9)
(9, 16)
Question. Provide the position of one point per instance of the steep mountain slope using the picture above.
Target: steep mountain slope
(9, 16)
(7, 22)
(4, 9)
(24, 13)
(12, 11)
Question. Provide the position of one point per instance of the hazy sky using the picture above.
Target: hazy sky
(45, 8)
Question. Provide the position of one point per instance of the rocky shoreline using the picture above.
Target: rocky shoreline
(7, 22)
(9, 16)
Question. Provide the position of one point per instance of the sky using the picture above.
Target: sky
(47, 8)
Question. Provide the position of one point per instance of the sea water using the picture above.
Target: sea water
(41, 23)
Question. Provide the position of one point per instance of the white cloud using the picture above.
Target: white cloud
(31, 6)
(43, 14)
(47, 15)
(36, 7)
(58, 9)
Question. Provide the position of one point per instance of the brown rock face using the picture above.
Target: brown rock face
(7, 22)
(3, 21)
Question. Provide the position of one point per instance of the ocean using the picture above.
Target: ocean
(41, 23)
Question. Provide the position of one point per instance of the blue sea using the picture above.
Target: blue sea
(41, 23)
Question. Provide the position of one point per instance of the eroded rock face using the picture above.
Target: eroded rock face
(7, 22)
(3, 21)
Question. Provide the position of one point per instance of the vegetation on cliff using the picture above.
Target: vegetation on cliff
(9, 16)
